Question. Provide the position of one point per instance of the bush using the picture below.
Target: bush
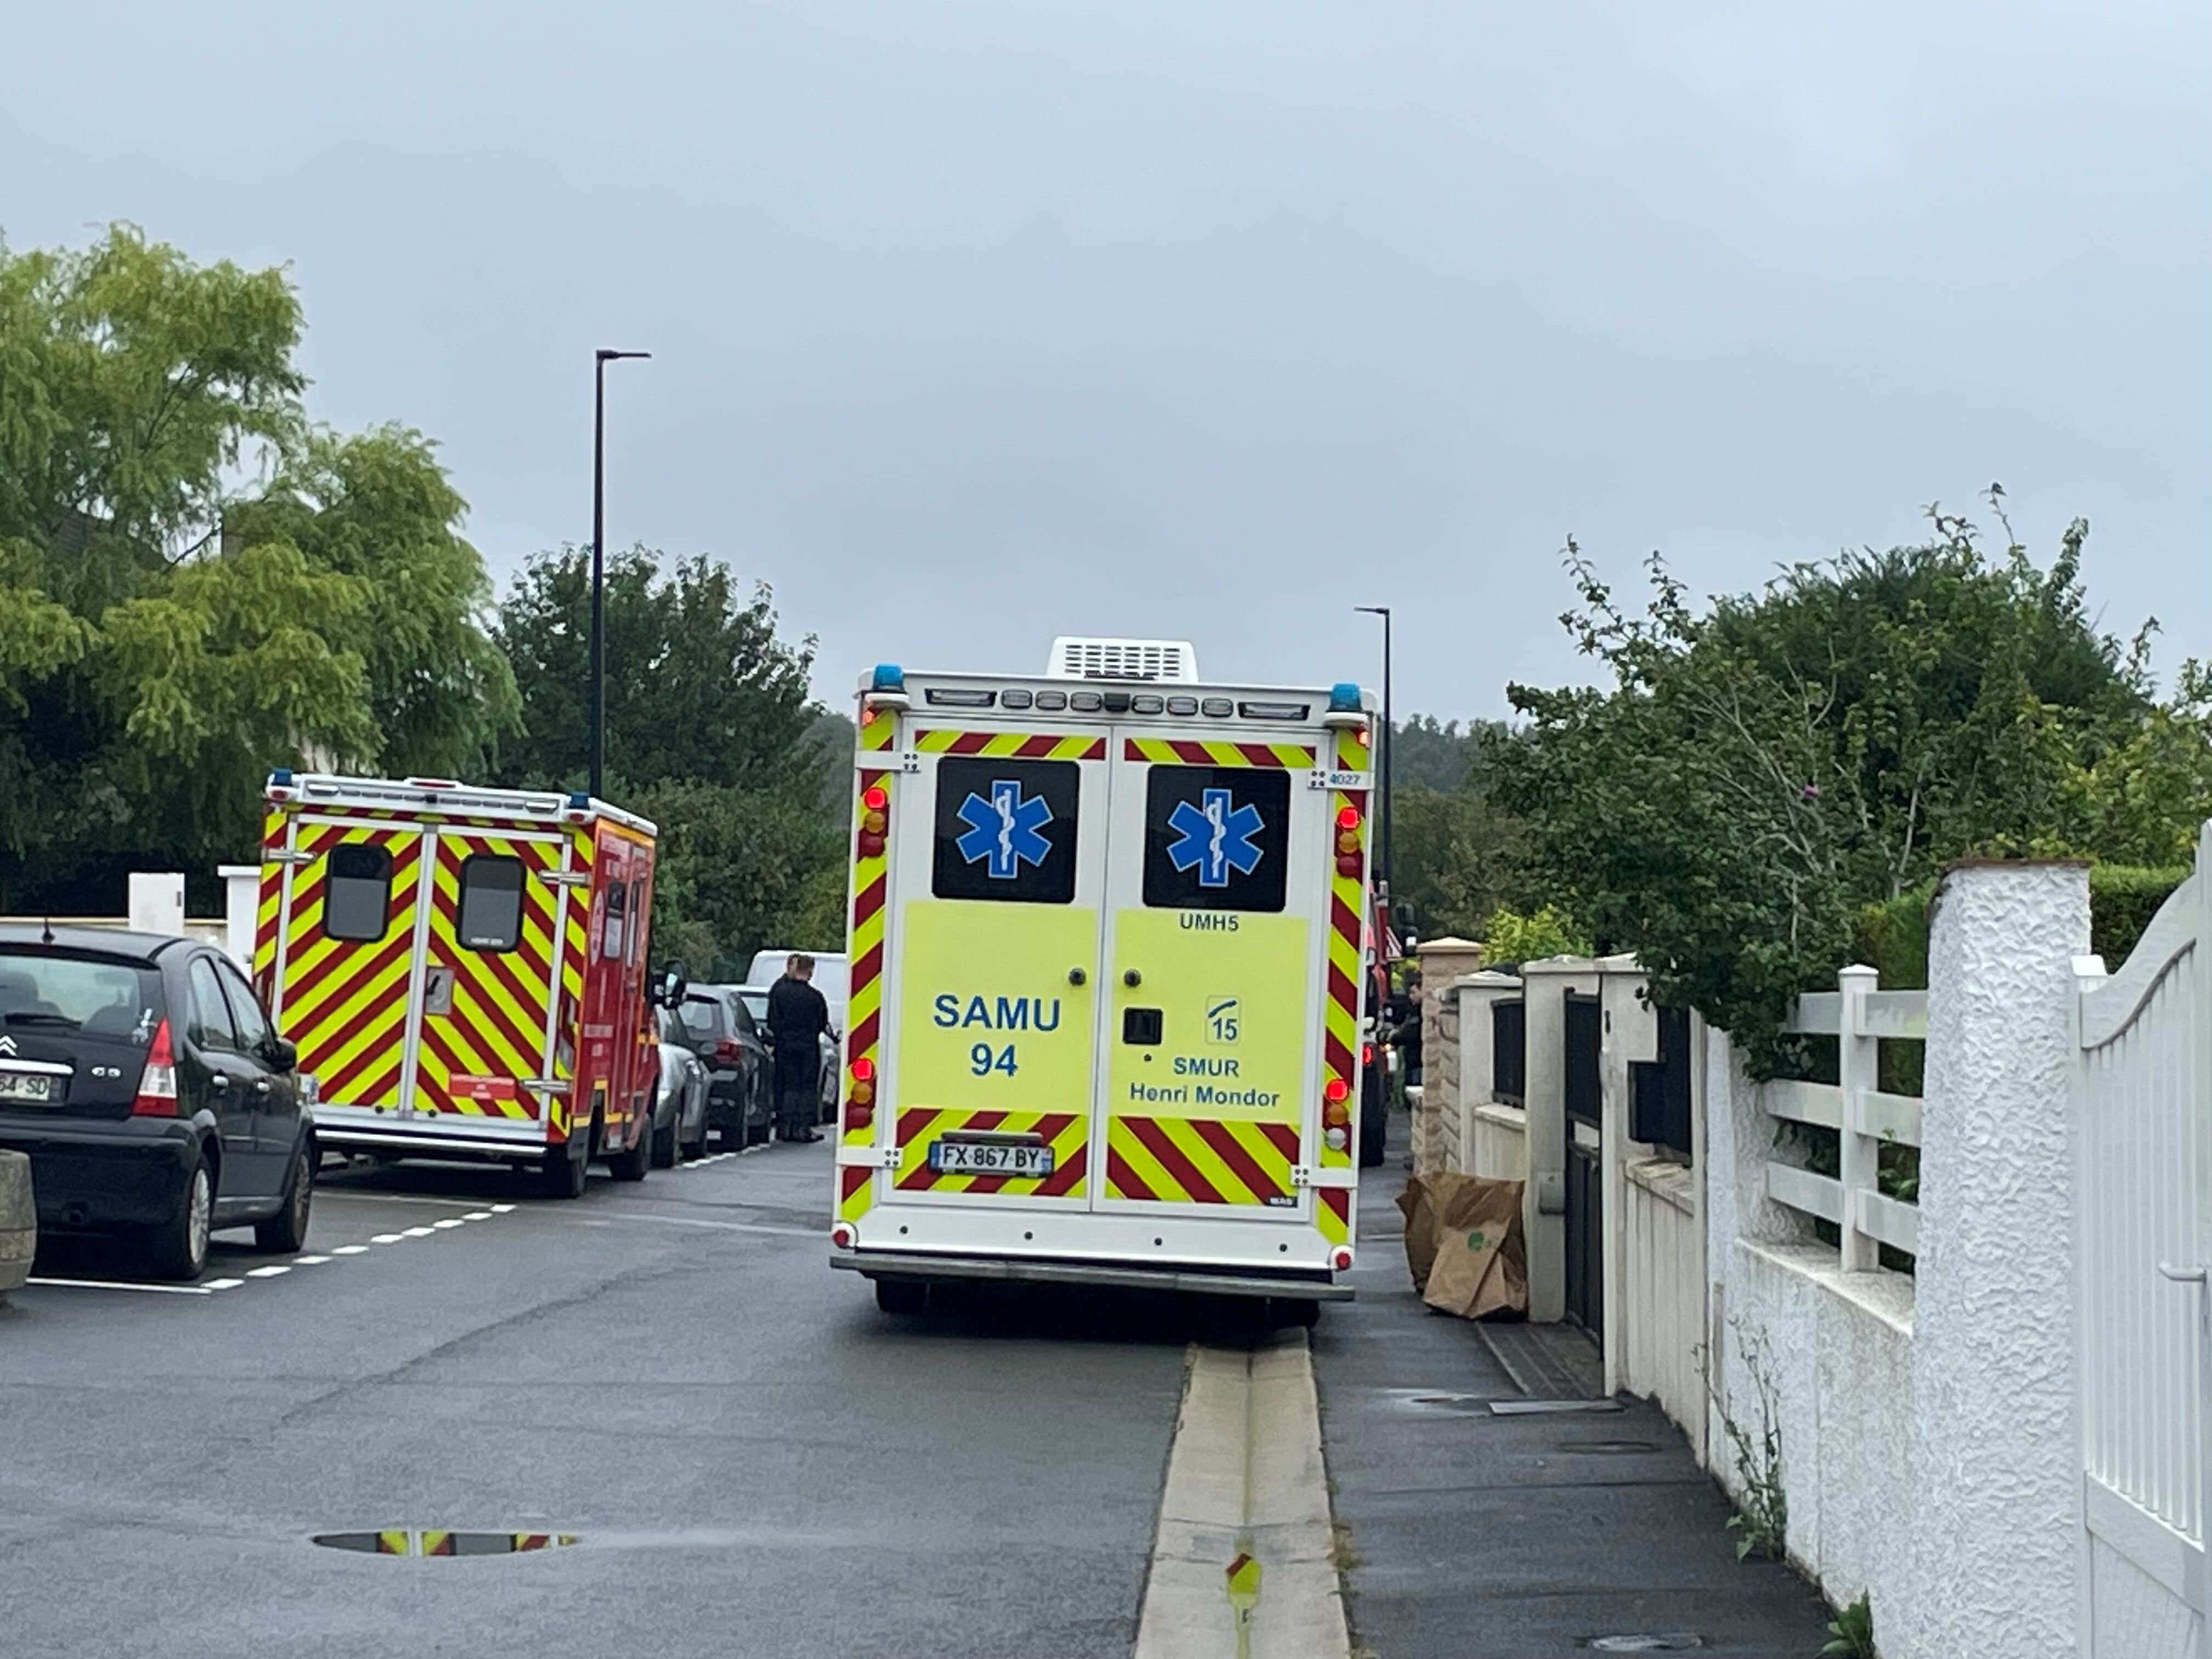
(1509, 936)
(1893, 937)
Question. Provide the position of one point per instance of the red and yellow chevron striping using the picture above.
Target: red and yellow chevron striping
(1215, 751)
(1348, 902)
(1065, 1133)
(474, 1058)
(864, 945)
(1020, 745)
(1200, 1160)
(344, 1002)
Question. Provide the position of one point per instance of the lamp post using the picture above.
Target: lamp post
(598, 694)
(1383, 758)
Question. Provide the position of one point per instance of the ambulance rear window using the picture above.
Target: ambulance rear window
(1216, 837)
(491, 902)
(1006, 829)
(358, 892)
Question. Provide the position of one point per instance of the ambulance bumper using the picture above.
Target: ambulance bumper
(890, 1264)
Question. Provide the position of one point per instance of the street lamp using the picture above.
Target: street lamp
(600, 359)
(1383, 757)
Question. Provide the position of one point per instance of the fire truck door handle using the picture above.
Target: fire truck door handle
(1131, 977)
(1076, 977)
(261, 1085)
(218, 1081)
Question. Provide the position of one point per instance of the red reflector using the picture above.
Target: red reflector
(871, 845)
(1342, 1259)
(864, 1070)
(157, 1083)
(1366, 1054)
(1347, 818)
(842, 1236)
(858, 1116)
(875, 797)
(1347, 864)
(1336, 1089)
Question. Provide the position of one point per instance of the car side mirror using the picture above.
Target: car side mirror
(673, 985)
(284, 1054)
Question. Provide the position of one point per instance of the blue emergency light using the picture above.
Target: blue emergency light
(1344, 697)
(889, 677)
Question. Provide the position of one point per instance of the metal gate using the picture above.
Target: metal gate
(2142, 1134)
(1585, 1038)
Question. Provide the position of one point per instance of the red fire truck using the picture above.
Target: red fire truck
(463, 970)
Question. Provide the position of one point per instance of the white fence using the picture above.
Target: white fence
(1858, 1014)
(2143, 1137)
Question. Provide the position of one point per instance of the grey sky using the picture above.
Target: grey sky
(981, 322)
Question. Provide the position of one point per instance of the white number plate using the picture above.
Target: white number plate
(14, 1085)
(988, 1158)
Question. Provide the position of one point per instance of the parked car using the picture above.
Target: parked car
(719, 1029)
(679, 1110)
(756, 1000)
(143, 1077)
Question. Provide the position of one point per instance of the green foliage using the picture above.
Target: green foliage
(1457, 854)
(1761, 771)
(168, 632)
(709, 733)
(1509, 936)
(1892, 935)
(1850, 1632)
(1761, 1523)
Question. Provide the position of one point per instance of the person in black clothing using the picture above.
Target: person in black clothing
(796, 1017)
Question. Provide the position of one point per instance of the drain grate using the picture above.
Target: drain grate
(435, 1541)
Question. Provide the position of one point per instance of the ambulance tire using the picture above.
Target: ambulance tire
(903, 1295)
(635, 1164)
(561, 1173)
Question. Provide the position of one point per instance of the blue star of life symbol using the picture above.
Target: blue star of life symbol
(1006, 829)
(1215, 838)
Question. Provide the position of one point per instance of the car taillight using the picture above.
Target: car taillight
(1366, 1054)
(157, 1083)
(728, 1050)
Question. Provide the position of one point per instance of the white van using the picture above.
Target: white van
(1106, 928)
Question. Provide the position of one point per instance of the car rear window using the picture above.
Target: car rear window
(704, 1017)
(89, 996)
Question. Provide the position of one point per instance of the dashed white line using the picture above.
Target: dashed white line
(387, 1238)
(446, 1221)
(273, 1270)
(416, 1232)
(125, 1284)
(478, 1215)
(348, 1250)
(309, 1260)
(220, 1284)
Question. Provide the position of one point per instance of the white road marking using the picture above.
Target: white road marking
(501, 1209)
(309, 1260)
(322, 1192)
(274, 1270)
(478, 1215)
(348, 1250)
(123, 1285)
(444, 1223)
(387, 1238)
(220, 1284)
(417, 1232)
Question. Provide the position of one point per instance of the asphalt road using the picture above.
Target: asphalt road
(756, 1459)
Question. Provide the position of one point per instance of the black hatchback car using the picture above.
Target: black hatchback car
(142, 1075)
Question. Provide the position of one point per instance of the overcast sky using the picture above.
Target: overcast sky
(976, 323)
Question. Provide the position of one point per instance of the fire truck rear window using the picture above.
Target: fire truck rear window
(357, 895)
(491, 902)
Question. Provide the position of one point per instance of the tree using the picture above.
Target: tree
(1457, 853)
(698, 684)
(1759, 771)
(178, 609)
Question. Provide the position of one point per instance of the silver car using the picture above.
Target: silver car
(679, 1110)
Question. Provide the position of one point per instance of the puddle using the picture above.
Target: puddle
(1679, 1642)
(431, 1541)
(1609, 1447)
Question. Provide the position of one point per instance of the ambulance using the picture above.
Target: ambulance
(1106, 990)
(463, 970)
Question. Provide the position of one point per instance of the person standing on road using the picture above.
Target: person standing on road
(796, 1017)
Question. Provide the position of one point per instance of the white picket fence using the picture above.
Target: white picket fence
(2142, 1144)
(1858, 1013)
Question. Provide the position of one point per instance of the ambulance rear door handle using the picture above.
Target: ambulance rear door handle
(1131, 976)
(1141, 1027)
(1076, 977)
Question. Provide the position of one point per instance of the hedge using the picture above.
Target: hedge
(1893, 937)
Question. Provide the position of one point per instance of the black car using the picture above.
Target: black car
(142, 1075)
(721, 1032)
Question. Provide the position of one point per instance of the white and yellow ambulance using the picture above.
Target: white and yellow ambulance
(1106, 985)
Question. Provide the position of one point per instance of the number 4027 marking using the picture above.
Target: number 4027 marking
(982, 1062)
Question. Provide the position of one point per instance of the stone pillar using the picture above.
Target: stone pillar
(157, 904)
(241, 892)
(1996, 1458)
(1443, 961)
(1543, 1206)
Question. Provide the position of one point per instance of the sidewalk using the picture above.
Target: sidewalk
(1478, 1536)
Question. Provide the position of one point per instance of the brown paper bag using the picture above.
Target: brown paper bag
(1420, 1212)
(1481, 1265)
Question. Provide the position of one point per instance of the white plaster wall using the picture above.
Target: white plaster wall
(2136, 1616)
(1996, 1439)
(1662, 1294)
(1498, 1143)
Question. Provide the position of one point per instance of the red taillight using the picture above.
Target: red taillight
(157, 1083)
(729, 1049)
(1366, 1054)
(1342, 1258)
(1347, 818)
(875, 798)
(859, 1116)
(842, 1236)
(1336, 1089)
(864, 1070)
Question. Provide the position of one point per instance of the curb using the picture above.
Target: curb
(19, 1221)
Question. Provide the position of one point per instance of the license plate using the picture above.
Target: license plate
(990, 1158)
(16, 1086)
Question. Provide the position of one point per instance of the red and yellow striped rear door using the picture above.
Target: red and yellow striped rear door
(485, 1025)
(337, 973)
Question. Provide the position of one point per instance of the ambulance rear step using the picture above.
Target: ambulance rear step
(1003, 1270)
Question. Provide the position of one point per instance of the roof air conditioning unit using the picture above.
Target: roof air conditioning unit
(1077, 657)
